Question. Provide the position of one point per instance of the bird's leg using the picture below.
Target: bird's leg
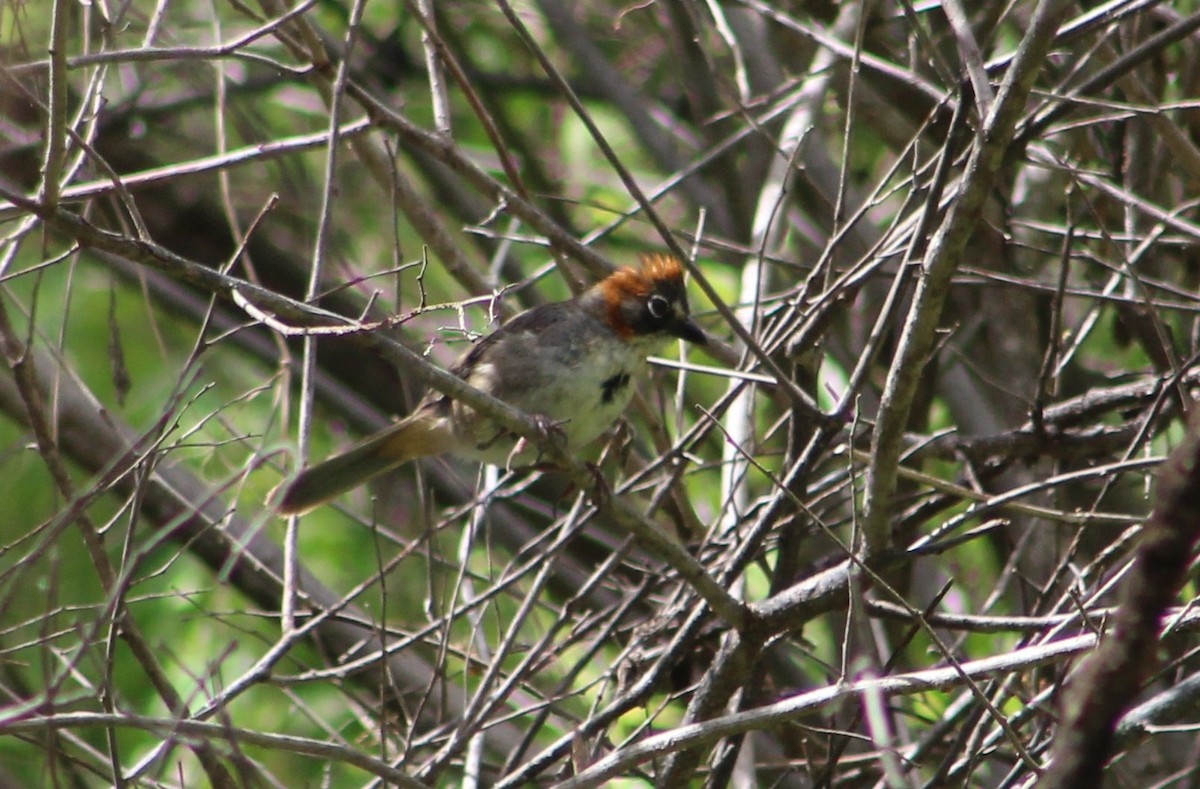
(601, 490)
(549, 432)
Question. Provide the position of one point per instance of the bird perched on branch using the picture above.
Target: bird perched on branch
(570, 364)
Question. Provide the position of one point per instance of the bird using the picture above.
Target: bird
(569, 364)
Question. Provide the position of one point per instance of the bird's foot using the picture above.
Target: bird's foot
(550, 434)
(601, 490)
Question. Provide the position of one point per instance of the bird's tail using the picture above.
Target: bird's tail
(420, 435)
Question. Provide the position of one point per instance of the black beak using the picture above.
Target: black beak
(688, 329)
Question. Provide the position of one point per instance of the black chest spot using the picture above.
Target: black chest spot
(613, 386)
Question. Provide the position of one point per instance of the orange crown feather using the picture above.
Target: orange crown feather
(637, 283)
(659, 266)
(656, 267)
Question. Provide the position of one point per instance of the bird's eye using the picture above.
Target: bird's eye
(658, 306)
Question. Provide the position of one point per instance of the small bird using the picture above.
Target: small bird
(570, 364)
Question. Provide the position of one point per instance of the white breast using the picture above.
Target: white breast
(582, 383)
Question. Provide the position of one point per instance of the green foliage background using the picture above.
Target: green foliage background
(527, 620)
